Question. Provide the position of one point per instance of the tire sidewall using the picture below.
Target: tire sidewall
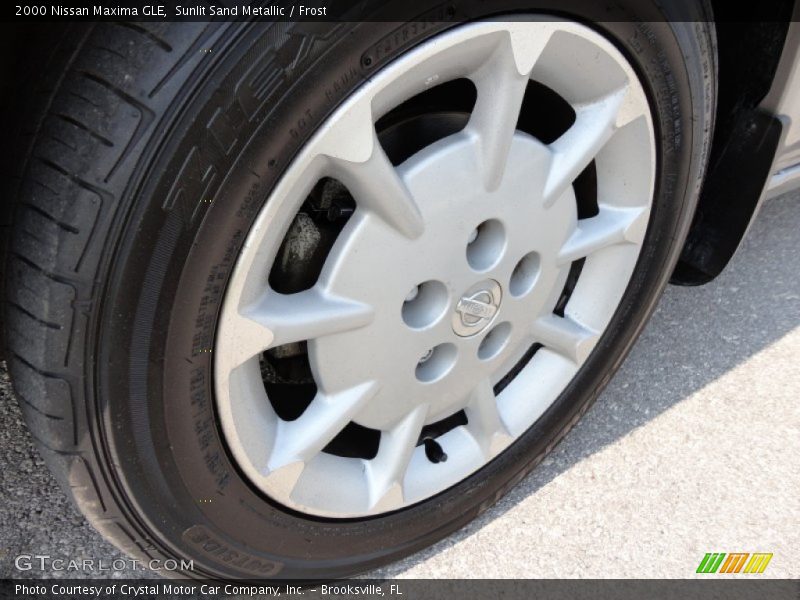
(180, 243)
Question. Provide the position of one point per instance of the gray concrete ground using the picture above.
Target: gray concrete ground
(693, 448)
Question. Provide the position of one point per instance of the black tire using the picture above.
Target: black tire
(117, 269)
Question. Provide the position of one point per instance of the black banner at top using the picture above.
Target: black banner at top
(29, 11)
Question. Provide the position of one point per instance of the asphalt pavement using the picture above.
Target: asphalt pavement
(693, 448)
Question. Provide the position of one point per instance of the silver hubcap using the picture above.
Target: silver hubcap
(447, 274)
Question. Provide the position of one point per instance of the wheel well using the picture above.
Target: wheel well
(744, 143)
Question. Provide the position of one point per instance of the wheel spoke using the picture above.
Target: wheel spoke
(501, 88)
(565, 336)
(594, 125)
(278, 319)
(610, 226)
(358, 160)
(386, 471)
(308, 315)
(377, 188)
(239, 340)
(300, 440)
(485, 423)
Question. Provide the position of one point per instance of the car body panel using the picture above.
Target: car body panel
(783, 101)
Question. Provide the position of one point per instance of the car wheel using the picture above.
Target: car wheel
(296, 301)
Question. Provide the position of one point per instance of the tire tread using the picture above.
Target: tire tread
(79, 134)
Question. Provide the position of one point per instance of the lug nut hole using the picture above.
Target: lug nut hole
(524, 275)
(424, 304)
(494, 341)
(485, 245)
(436, 363)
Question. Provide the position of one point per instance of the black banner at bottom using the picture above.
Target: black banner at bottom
(409, 589)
